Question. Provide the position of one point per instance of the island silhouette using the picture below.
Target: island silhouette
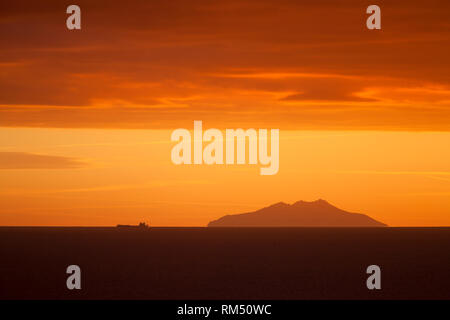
(317, 213)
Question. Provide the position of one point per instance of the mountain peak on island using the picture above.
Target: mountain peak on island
(278, 205)
(318, 202)
(317, 213)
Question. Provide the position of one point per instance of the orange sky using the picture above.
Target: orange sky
(86, 115)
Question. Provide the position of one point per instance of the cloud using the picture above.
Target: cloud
(107, 188)
(24, 160)
(292, 64)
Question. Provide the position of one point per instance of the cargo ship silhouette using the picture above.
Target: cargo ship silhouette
(140, 226)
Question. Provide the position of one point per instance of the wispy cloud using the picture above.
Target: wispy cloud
(105, 188)
(444, 173)
(24, 160)
(435, 175)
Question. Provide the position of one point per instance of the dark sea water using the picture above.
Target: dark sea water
(225, 263)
